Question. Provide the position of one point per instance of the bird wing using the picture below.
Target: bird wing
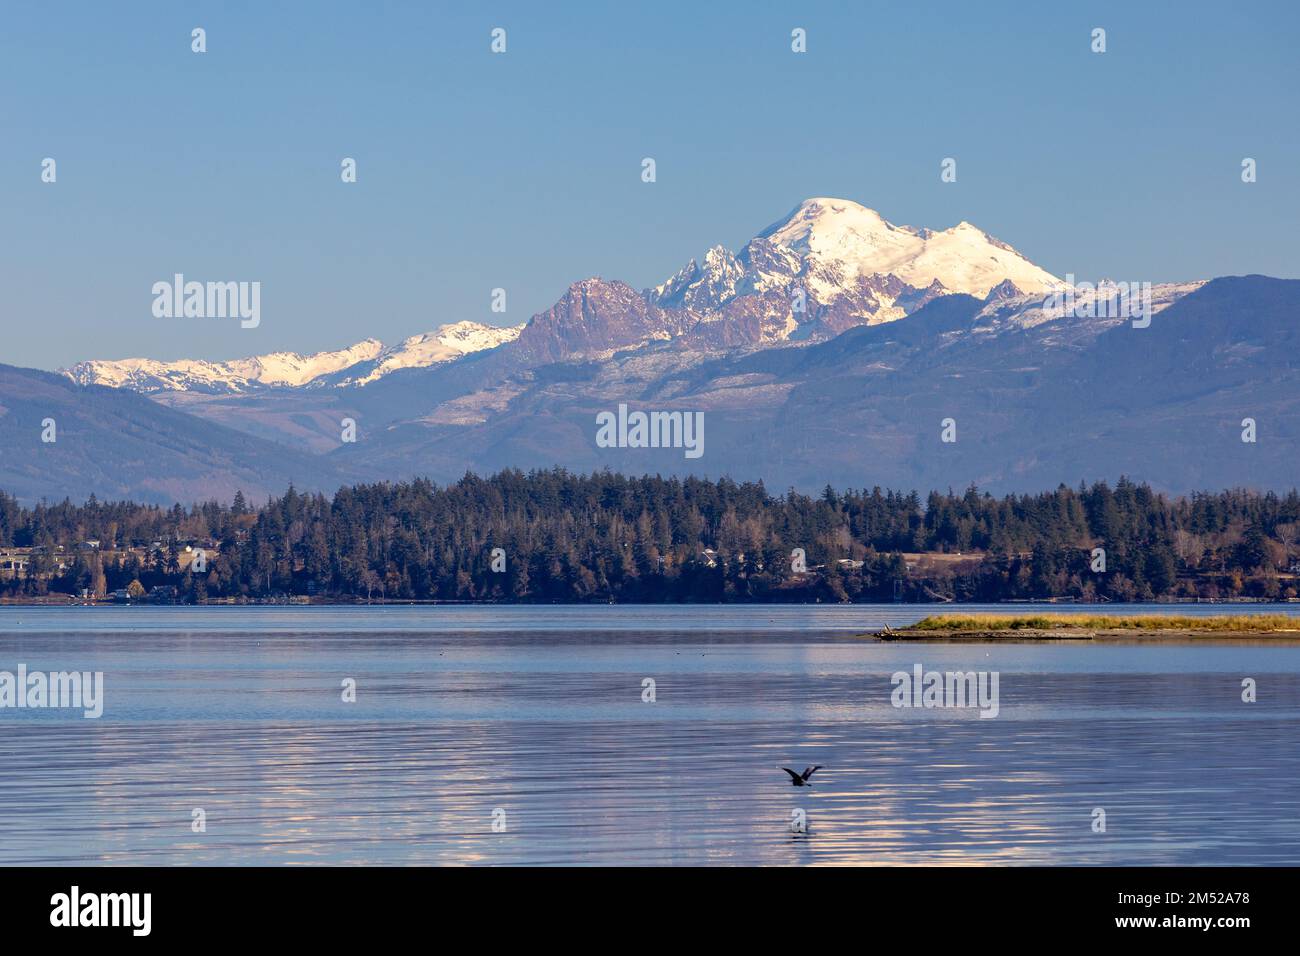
(793, 775)
(810, 771)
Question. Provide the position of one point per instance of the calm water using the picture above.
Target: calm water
(538, 712)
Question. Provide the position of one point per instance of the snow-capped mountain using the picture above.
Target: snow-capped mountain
(237, 375)
(828, 348)
(432, 348)
(1093, 309)
(844, 238)
(844, 265)
(1041, 394)
(828, 266)
(358, 364)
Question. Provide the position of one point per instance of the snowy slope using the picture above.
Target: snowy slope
(859, 242)
(851, 265)
(432, 348)
(356, 365)
(237, 375)
(1093, 307)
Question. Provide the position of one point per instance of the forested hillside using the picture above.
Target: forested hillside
(606, 537)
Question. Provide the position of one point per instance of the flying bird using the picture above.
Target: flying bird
(801, 779)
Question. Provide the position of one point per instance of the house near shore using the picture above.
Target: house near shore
(164, 594)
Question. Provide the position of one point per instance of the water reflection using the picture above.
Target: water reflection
(551, 729)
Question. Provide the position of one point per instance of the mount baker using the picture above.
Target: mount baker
(829, 265)
(828, 349)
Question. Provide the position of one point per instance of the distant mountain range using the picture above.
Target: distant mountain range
(852, 266)
(828, 349)
(358, 364)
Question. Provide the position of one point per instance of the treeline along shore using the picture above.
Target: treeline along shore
(554, 536)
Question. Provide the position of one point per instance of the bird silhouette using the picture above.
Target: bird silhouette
(801, 779)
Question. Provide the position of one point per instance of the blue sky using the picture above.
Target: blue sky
(522, 170)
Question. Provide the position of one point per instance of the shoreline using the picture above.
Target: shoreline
(1111, 635)
(1084, 627)
(1116, 609)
